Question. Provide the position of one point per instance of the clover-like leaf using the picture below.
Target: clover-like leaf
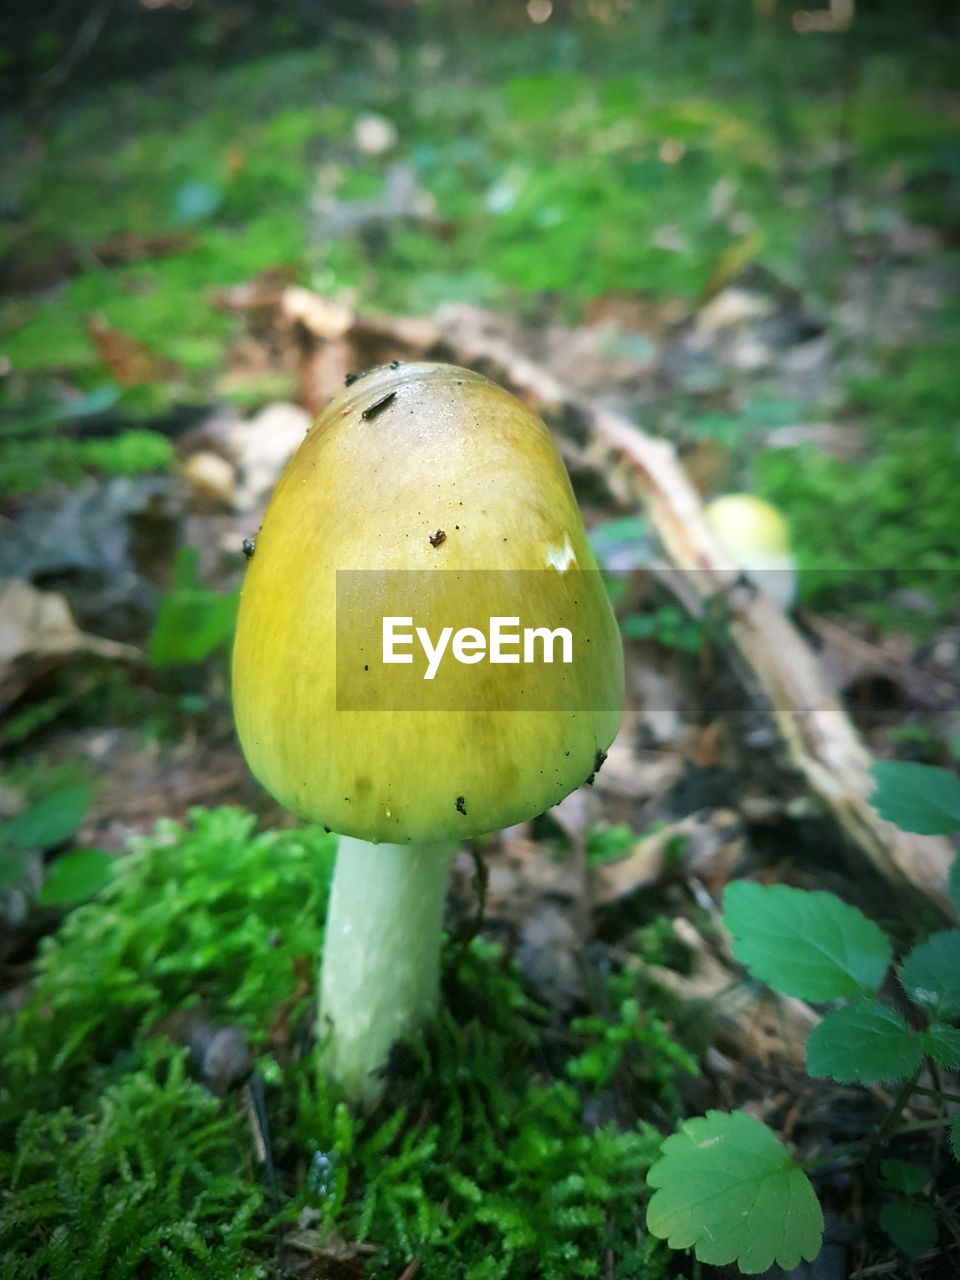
(865, 1042)
(916, 797)
(930, 974)
(809, 945)
(911, 1227)
(942, 1043)
(727, 1186)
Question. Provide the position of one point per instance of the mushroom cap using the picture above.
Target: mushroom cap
(352, 534)
(749, 528)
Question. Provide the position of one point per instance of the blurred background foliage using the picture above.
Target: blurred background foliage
(544, 159)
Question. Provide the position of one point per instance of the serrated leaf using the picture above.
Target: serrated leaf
(942, 1043)
(930, 974)
(53, 820)
(911, 1227)
(809, 945)
(908, 1178)
(954, 1135)
(725, 1185)
(916, 797)
(865, 1042)
(75, 876)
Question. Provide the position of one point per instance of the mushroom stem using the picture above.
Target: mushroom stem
(381, 955)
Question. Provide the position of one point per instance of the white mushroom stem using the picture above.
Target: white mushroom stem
(379, 978)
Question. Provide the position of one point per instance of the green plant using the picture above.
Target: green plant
(44, 455)
(193, 622)
(113, 1160)
(57, 805)
(608, 843)
(669, 625)
(724, 1184)
(863, 528)
(206, 911)
(916, 797)
(489, 1172)
(93, 1192)
(74, 876)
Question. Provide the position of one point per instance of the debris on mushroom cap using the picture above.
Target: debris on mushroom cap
(445, 449)
(372, 410)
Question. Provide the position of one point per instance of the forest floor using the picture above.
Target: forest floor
(761, 269)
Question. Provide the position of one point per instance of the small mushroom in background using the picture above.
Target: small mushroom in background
(757, 538)
(401, 766)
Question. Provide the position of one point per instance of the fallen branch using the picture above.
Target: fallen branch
(821, 740)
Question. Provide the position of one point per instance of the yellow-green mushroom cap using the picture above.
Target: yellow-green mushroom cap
(404, 455)
(749, 528)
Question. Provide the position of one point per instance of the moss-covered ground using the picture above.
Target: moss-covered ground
(118, 1160)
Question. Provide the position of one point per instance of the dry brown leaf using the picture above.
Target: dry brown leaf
(37, 630)
(128, 359)
(757, 1023)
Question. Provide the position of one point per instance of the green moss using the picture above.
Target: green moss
(506, 1147)
(146, 1180)
(30, 463)
(491, 1165)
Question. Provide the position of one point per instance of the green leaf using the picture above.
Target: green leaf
(942, 1043)
(908, 1178)
(809, 945)
(865, 1042)
(727, 1186)
(192, 622)
(911, 1227)
(13, 863)
(53, 820)
(930, 974)
(954, 1136)
(953, 884)
(75, 876)
(916, 797)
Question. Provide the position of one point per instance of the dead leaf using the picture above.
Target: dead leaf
(707, 845)
(261, 448)
(757, 1023)
(128, 359)
(323, 317)
(211, 476)
(37, 631)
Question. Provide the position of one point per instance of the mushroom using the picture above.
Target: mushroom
(756, 537)
(351, 589)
